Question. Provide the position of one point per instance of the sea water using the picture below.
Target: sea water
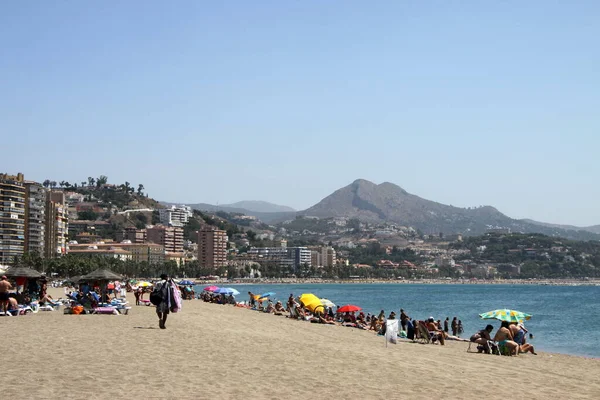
(564, 317)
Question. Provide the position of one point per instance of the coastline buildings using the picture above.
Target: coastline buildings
(35, 218)
(57, 225)
(177, 216)
(169, 237)
(289, 258)
(212, 247)
(324, 256)
(12, 217)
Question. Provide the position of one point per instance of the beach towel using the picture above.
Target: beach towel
(175, 302)
(391, 331)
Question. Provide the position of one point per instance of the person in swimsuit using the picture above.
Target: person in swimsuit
(5, 286)
(518, 331)
(504, 337)
(482, 338)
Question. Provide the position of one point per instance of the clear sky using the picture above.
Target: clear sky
(463, 102)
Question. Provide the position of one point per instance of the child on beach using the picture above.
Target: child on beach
(460, 328)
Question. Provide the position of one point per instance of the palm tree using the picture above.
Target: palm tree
(91, 181)
(140, 188)
(46, 183)
(53, 184)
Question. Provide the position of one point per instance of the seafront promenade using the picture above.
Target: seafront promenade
(217, 351)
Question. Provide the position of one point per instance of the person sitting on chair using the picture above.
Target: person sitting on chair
(434, 331)
(482, 338)
(505, 338)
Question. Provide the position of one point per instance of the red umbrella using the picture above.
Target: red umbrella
(349, 308)
(211, 288)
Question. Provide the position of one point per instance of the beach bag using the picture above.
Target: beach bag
(176, 302)
(156, 296)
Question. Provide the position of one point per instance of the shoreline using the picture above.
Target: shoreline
(293, 281)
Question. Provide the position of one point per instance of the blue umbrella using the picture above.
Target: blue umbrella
(186, 282)
(226, 290)
(233, 291)
(265, 295)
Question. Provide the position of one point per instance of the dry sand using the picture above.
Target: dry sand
(213, 351)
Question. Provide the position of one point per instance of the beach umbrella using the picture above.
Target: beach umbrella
(186, 282)
(101, 275)
(505, 314)
(265, 295)
(327, 303)
(310, 301)
(349, 308)
(22, 272)
(233, 291)
(225, 290)
(144, 284)
(210, 288)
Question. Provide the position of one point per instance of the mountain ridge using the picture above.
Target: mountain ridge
(388, 202)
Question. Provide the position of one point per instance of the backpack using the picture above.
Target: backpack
(156, 296)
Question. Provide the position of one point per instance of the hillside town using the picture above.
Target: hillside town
(66, 228)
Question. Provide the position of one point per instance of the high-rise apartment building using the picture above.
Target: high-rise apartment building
(175, 215)
(168, 236)
(132, 234)
(212, 247)
(323, 256)
(57, 224)
(12, 217)
(35, 218)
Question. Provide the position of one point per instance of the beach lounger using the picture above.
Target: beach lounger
(105, 310)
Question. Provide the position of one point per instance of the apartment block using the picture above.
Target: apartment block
(12, 217)
(212, 247)
(57, 225)
(289, 258)
(323, 256)
(35, 218)
(132, 234)
(168, 236)
(177, 216)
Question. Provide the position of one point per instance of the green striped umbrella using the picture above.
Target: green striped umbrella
(506, 315)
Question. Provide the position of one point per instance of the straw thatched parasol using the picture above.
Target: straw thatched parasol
(100, 275)
(22, 272)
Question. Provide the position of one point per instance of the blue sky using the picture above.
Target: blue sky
(466, 103)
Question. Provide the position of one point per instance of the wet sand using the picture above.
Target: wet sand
(213, 351)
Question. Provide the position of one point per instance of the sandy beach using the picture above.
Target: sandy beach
(215, 351)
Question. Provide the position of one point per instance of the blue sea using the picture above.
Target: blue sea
(564, 317)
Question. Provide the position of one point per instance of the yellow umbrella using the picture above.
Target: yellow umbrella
(144, 284)
(311, 301)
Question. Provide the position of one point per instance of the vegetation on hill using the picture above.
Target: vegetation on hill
(540, 256)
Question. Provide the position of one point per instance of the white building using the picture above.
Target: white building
(175, 215)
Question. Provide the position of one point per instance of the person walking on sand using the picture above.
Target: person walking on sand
(163, 289)
(5, 286)
(446, 322)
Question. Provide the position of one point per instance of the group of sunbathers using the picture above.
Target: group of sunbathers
(510, 339)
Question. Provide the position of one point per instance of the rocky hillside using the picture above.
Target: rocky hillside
(387, 202)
